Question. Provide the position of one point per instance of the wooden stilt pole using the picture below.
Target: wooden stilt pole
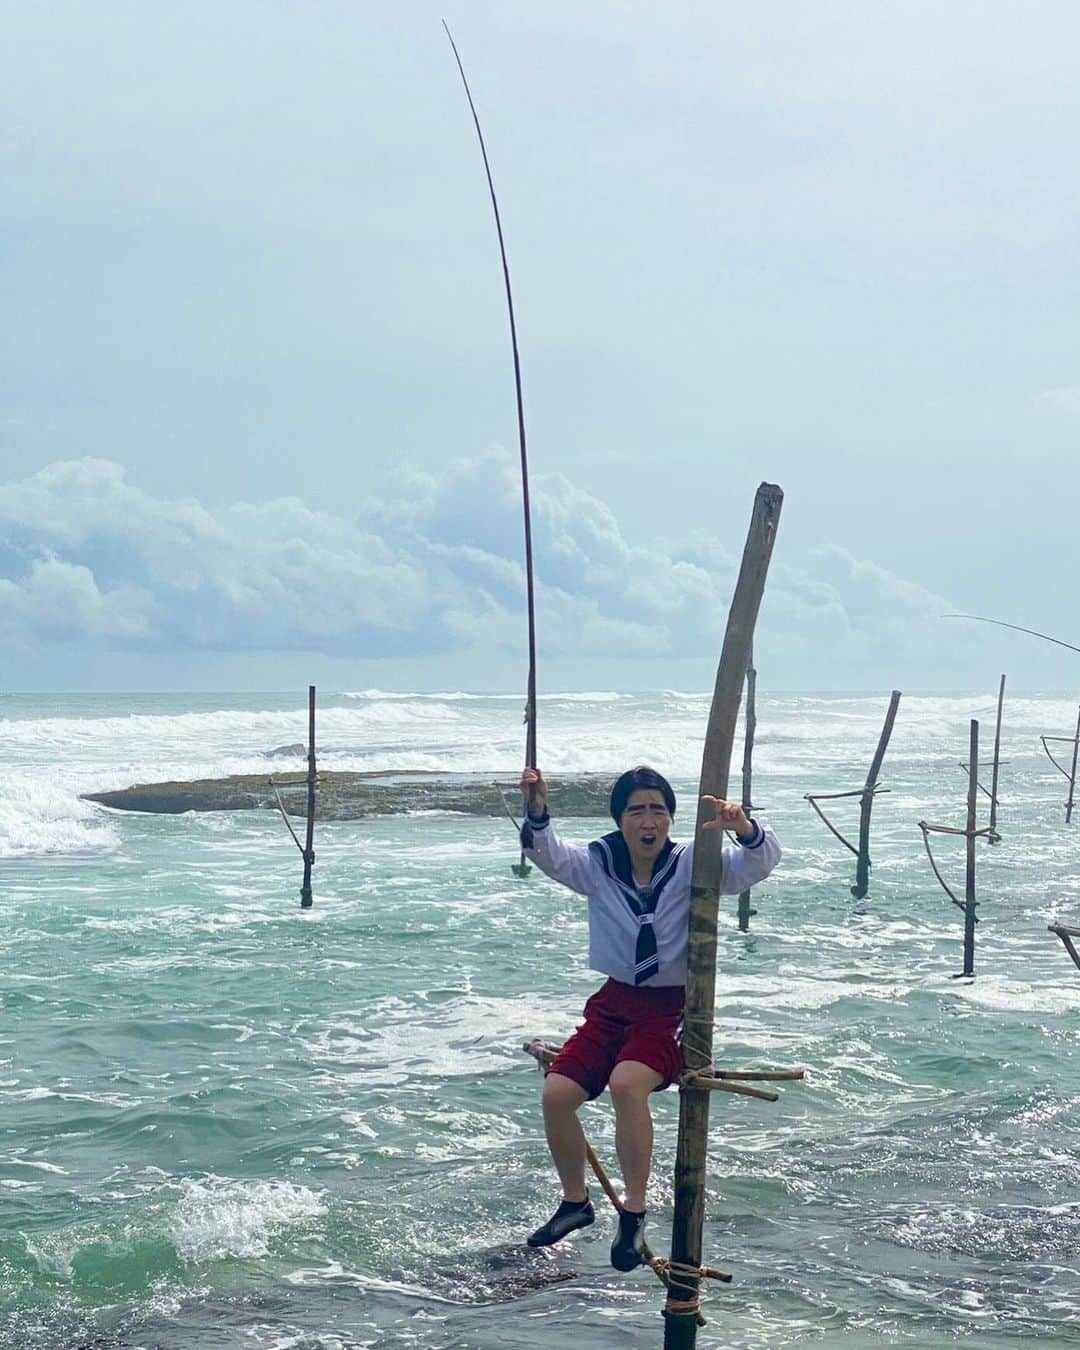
(992, 836)
(866, 795)
(309, 838)
(307, 850)
(997, 763)
(681, 1309)
(969, 881)
(866, 802)
(745, 911)
(1070, 773)
(971, 834)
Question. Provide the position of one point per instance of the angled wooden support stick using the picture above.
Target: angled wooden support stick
(1070, 773)
(711, 1083)
(682, 1309)
(738, 1080)
(1066, 935)
(866, 795)
(544, 1053)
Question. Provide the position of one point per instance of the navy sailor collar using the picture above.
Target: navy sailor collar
(613, 855)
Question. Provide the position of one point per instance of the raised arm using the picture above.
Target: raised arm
(569, 864)
(753, 857)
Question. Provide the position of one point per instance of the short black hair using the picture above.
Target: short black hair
(640, 777)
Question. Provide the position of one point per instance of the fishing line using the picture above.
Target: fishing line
(1015, 627)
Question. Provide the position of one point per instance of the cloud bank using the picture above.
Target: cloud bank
(430, 569)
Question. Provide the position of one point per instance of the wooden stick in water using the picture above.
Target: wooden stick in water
(969, 881)
(309, 838)
(862, 862)
(997, 760)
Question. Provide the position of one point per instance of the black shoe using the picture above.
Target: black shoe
(570, 1215)
(629, 1240)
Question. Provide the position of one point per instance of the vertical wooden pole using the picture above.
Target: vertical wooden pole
(1072, 775)
(309, 839)
(747, 775)
(997, 759)
(862, 864)
(681, 1309)
(972, 825)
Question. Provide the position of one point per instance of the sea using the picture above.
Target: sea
(228, 1122)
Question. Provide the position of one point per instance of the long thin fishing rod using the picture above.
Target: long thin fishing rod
(1015, 627)
(530, 700)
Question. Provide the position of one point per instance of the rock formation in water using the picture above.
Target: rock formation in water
(352, 796)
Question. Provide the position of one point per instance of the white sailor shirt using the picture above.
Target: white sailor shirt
(602, 874)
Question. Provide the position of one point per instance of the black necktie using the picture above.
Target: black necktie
(646, 961)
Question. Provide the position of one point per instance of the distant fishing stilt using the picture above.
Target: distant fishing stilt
(307, 848)
(521, 868)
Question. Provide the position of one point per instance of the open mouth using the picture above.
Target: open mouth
(648, 839)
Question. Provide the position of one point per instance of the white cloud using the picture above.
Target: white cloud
(434, 568)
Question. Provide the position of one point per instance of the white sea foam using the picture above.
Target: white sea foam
(1004, 995)
(41, 814)
(804, 742)
(451, 696)
(218, 1218)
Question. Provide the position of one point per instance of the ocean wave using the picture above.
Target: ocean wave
(217, 1217)
(40, 817)
(460, 695)
(805, 742)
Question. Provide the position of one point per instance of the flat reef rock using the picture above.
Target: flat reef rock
(353, 796)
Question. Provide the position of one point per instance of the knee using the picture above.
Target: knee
(631, 1084)
(562, 1096)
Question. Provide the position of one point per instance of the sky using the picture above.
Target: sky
(257, 422)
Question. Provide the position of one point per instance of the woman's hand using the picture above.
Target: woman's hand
(729, 816)
(535, 790)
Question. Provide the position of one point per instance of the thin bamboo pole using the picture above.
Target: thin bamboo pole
(681, 1310)
(309, 838)
(866, 802)
(745, 912)
(969, 879)
(522, 868)
(1072, 775)
(544, 1053)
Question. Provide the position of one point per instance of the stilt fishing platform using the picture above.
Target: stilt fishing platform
(682, 1271)
(866, 795)
(971, 833)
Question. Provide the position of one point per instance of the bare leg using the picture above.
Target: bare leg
(631, 1082)
(565, 1137)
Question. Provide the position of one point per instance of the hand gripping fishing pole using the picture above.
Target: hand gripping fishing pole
(530, 698)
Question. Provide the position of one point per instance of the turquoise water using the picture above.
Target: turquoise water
(227, 1123)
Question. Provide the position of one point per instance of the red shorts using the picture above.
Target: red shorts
(625, 1022)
